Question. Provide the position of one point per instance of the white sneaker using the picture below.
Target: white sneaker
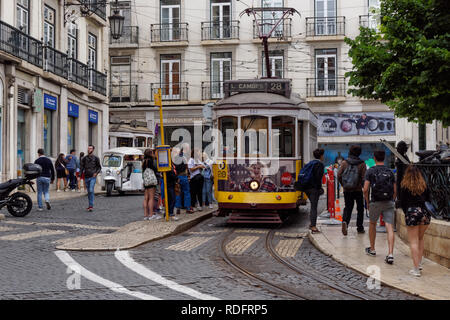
(40, 209)
(174, 218)
(157, 217)
(200, 208)
(151, 217)
(79, 190)
(58, 190)
(211, 206)
(415, 272)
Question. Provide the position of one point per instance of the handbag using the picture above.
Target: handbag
(149, 178)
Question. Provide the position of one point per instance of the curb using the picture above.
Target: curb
(178, 229)
(348, 265)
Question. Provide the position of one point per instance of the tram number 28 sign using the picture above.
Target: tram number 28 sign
(222, 172)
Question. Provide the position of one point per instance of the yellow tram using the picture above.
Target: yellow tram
(265, 136)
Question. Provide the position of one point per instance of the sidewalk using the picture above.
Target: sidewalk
(136, 233)
(349, 250)
(55, 196)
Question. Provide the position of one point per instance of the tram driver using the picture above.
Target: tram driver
(264, 184)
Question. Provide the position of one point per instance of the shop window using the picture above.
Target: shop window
(255, 142)
(48, 132)
(283, 137)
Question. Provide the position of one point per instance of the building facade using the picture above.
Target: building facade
(188, 51)
(53, 83)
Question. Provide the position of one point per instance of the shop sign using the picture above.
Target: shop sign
(50, 102)
(73, 110)
(93, 116)
(350, 124)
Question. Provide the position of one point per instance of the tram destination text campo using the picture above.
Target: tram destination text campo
(230, 309)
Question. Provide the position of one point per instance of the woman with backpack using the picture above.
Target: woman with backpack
(208, 181)
(61, 172)
(150, 183)
(413, 195)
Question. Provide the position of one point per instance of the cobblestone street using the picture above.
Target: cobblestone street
(186, 266)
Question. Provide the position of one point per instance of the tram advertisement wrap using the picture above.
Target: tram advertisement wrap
(349, 124)
(256, 175)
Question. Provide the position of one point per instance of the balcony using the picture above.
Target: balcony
(20, 45)
(212, 90)
(78, 72)
(55, 62)
(369, 21)
(169, 34)
(177, 91)
(325, 28)
(129, 38)
(281, 33)
(97, 81)
(96, 6)
(215, 32)
(322, 89)
(123, 93)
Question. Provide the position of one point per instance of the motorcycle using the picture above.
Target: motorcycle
(19, 204)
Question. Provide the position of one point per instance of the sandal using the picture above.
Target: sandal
(314, 230)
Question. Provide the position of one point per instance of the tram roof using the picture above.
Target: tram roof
(260, 100)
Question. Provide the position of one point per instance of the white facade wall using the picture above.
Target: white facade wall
(16, 73)
(299, 64)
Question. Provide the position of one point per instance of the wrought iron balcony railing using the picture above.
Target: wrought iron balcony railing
(177, 91)
(369, 21)
(78, 72)
(130, 36)
(20, 45)
(212, 90)
(169, 32)
(96, 6)
(282, 32)
(55, 62)
(325, 26)
(97, 81)
(220, 30)
(325, 87)
(123, 93)
(437, 178)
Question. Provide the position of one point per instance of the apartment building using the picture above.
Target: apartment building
(53, 83)
(188, 48)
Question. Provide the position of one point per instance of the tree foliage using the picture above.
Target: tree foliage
(406, 63)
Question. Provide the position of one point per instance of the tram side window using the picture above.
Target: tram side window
(283, 137)
(228, 127)
(255, 140)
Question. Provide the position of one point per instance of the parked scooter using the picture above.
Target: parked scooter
(19, 204)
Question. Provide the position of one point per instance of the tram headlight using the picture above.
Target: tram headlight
(254, 185)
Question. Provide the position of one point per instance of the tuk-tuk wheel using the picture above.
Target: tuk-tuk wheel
(109, 189)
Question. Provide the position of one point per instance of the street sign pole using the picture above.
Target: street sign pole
(158, 102)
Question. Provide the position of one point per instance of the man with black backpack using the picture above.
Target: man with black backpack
(310, 182)
(351, 177)
(381, 180)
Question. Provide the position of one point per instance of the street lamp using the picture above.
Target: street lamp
(116, 22)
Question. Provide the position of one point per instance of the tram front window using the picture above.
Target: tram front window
(228, 127)
(255, 140)
(283, 137)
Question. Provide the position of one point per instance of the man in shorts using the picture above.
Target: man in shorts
(381, 182)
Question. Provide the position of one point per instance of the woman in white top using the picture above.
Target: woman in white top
(196, 166)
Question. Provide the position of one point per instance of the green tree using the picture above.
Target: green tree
(406, 63)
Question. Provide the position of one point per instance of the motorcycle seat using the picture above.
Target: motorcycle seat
(9, 184)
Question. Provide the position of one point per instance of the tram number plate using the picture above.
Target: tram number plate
(222, 172)
(253, 111)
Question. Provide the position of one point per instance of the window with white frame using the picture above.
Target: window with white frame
(276, 58)
(325, 17)
(220, 72)
(326, 72)
(72, 38)
(271, 18)
(92, 51)
(49, 26)
(374, 13)
(23, 15)
(171, 76)
(220, 19)
(170, 20)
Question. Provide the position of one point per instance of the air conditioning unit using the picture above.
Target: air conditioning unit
(23, 96)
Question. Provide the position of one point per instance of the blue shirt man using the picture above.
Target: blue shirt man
(72, 165)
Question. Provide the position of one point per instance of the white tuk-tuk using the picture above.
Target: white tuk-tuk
(122, 170)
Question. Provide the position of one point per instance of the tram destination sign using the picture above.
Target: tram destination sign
(278, 86)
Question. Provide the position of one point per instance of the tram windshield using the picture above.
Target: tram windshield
(255, 141)
(283, 137)
(228, 126)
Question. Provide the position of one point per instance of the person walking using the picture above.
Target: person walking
(196, 167)
(46, 178)
(207, 192)
(351, 177)
(150, 182)
(71, 161)
(314, 190)
(180, 161)
(90, 167)
(61, 172)
(381, 182)
(413, 195)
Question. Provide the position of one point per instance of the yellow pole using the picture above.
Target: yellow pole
(166, 201)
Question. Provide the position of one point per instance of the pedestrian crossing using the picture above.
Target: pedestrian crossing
(189, 244)
(30, 235)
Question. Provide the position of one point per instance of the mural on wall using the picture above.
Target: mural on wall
(350, 124)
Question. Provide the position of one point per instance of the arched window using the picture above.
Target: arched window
(283, 137)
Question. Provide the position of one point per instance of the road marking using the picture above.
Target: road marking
(189, 244)
(251, 231)
(207, 232)
(4, 229)
(291, 235)
(288, 248)
(240, 244)
(76, 267)
(55, 224)
(125, 258)
(29, 235)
